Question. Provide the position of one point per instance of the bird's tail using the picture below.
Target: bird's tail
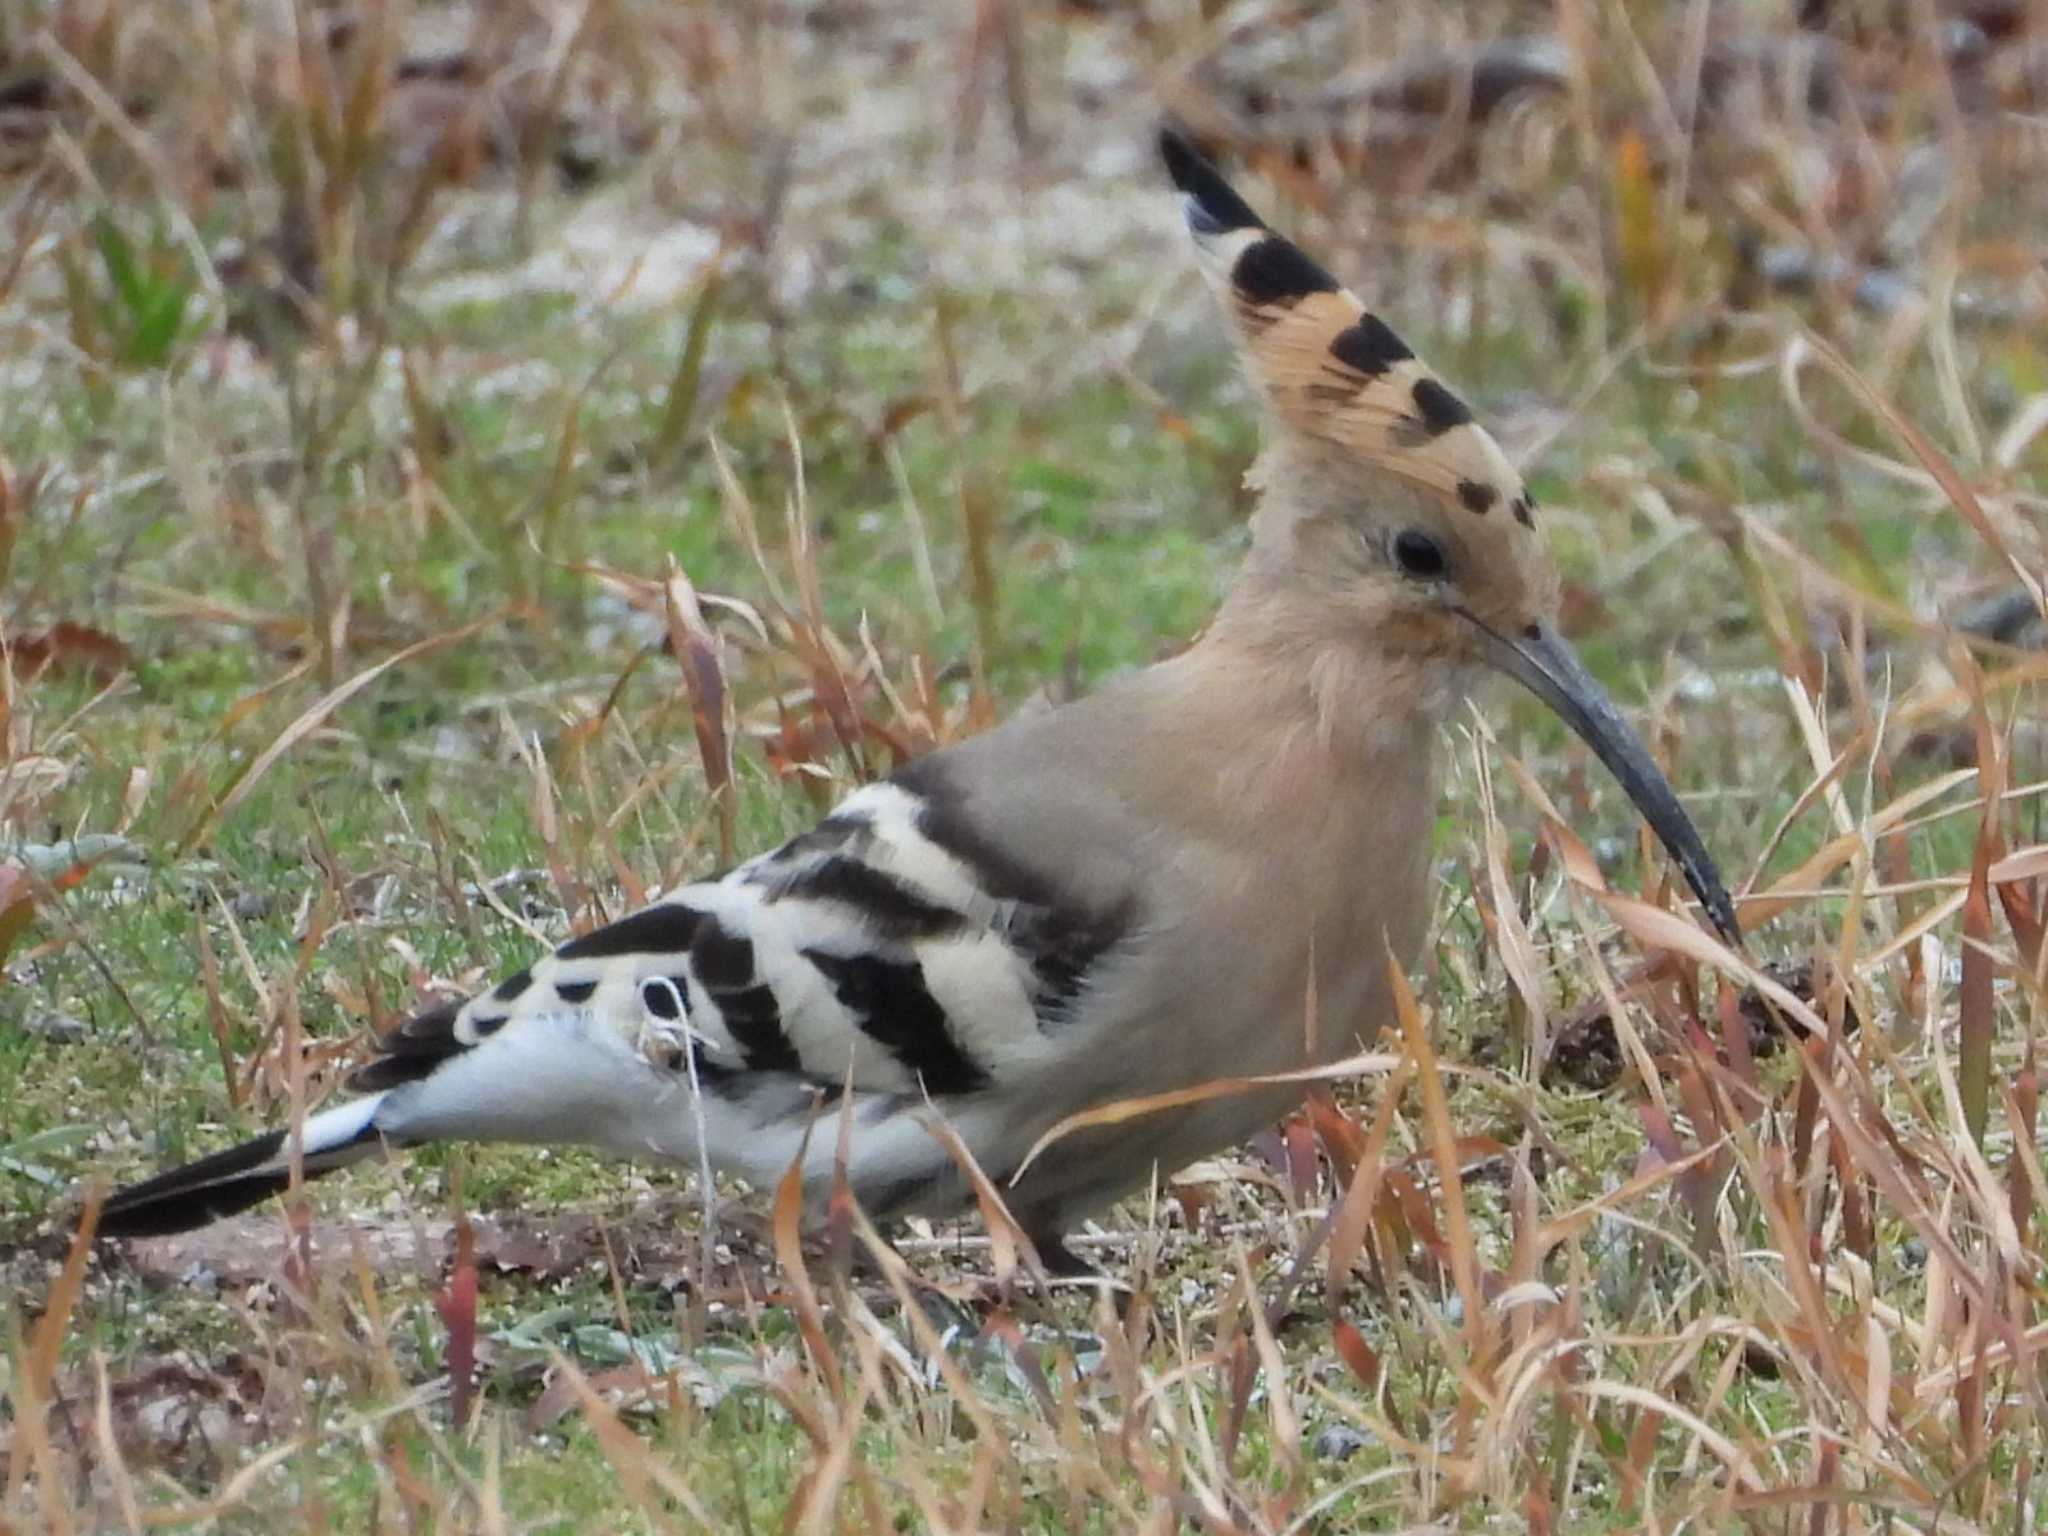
(191, 1196)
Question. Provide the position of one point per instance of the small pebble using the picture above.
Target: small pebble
(56, 1027)
(200, 1277)
(1336, 1442)
(250, 906)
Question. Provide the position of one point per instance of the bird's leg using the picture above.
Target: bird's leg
(1060, 1261)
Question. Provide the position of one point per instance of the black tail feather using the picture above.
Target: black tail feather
(224, 1184)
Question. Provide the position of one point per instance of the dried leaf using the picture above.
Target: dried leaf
(69, 646)
(1355, 1352)
(456, 1303)
(17, 906)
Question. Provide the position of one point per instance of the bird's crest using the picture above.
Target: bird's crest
(1330, 368)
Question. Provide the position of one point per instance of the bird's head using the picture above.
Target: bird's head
(1387, 512)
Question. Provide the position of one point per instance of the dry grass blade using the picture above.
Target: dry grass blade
(47, 1340)
(1816, 1330)
(1932, 460)
(1116, 1113)
(638, 1468)
(1975, 1005)
(233, 1494)
(1723, 1449)
(1443, 1140)
(316, 715)
(1559, 1228)
(2021, 864)
(1977, 1016)
(111, 1459)
(1280, 1405)
(977, 515)
(815, 1508)
(1004, 1235)
(1653, 926)
(1510, 934)
(216, 1009)
(679, 406)
(901, 1284)
(47, 45)
(1354, 1214)
(697, 648)
(789, 1253)
(34, 1386)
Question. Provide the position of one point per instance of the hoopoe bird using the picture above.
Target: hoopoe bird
(1132, 893)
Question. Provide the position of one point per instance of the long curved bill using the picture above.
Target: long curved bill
(1541, 661)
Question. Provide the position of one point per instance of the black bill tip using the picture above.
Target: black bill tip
(1540, 660)
(1213, 206)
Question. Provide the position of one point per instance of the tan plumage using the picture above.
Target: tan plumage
(1133, 893)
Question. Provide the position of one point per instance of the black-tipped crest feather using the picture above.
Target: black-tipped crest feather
(1275, 271)
(1213, 208)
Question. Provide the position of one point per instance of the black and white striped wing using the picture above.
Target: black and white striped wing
(875, 951)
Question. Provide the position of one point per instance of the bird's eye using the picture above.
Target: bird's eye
(1419, 555)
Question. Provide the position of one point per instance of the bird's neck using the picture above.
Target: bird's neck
(1300, 772)
(1309, 664)
(1296, 748)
